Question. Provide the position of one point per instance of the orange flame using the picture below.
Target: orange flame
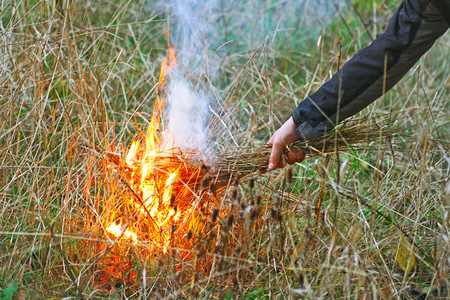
(117, 231)
(154, 184)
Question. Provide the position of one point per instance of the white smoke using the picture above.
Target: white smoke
(193, 30)
(187, 116)
(188, 97)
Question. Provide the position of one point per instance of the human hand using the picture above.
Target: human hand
(283, 137)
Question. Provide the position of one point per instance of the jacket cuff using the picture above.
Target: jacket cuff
(307, 132)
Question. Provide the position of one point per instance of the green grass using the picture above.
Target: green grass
(71, 80)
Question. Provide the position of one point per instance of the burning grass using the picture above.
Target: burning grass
(76, 219)
(170, 192)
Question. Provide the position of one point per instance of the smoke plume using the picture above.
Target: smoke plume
(199, 29)
(188, 95)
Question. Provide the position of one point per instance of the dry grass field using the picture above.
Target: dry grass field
(80, 80)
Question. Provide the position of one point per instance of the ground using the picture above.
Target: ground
(79, 79)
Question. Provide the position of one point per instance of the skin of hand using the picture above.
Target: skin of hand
(284, 136)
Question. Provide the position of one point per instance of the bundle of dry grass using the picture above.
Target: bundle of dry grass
(356, 134)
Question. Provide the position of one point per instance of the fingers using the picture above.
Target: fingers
(300, 156)
(295, 156)
(291, 157)
(276, 160)
(284, 136)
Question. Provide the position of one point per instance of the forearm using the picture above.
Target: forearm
(374, 70)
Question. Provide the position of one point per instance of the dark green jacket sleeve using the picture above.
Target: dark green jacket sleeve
(412, 30)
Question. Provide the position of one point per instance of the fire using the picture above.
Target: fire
(117, 231)
(161, 199)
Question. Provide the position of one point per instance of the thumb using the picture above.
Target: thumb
(275, 156)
